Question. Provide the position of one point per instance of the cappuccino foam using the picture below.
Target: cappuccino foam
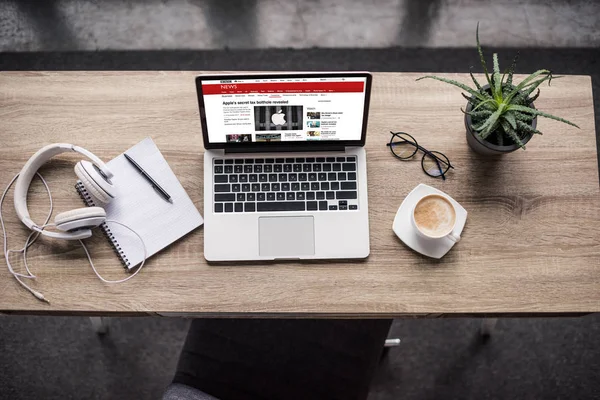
(435, 216)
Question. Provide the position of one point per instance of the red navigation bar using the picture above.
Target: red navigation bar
(284, 87)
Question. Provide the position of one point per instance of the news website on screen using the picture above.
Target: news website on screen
(284, 109)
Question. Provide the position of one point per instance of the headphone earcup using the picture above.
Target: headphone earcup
(94, 182)
(80, 218)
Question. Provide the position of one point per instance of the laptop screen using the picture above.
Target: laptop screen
(286, 108)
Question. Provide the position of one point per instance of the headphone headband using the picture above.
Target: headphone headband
(93, 158)
(29, 170)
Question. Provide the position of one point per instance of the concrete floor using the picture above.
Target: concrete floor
(63, 25)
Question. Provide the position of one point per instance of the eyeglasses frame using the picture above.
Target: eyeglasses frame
(426, 152)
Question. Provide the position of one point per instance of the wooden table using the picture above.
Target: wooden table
(531, 243)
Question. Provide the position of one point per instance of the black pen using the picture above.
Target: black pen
(155, 185)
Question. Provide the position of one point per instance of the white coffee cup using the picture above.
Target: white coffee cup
(434, 217)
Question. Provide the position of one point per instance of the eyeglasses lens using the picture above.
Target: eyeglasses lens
(433, 167)
(403, 146)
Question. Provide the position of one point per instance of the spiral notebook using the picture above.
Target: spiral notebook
(139, 206)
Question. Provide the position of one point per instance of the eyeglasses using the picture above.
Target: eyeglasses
(404, 147)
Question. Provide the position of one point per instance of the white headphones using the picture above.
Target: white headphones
(74, 224)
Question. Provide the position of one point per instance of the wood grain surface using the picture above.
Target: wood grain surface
(531, 243)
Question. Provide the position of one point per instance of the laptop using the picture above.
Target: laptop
(285, 173)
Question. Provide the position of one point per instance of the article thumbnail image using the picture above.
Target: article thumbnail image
(268, 137)
(313, 115)
(313, 133)
(313, 124)
(278, 118)
(238, 138)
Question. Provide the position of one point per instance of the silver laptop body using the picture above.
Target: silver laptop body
(285, 174)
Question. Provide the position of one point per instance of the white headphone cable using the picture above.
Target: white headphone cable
(5, 237)
(130, 276)
(24, 251)
(28, 243)
(36, 234)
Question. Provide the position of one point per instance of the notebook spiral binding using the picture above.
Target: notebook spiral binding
(89, 201)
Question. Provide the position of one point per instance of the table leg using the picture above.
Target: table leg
(100, 325)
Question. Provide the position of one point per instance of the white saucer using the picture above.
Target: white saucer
(404, 229)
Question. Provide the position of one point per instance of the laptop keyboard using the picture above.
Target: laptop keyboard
(285, 184)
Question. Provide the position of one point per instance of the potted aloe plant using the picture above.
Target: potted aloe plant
(500, 116)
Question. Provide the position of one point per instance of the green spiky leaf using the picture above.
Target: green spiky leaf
(534, 98)
(490, 104)
(513, 135)
(510, 118)
(503, 80)
(481, 57)
(497, 88)
(496, 64)
(455, 83)
(499, 137)
(511, 70)
(534, 111)
(527, 128)
(526, 82)
(523, 117)
(477, 85)
(523, 97)
(479, 114)
(491, 123)
(470, 100)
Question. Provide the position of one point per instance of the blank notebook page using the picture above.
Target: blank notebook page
(138, 205)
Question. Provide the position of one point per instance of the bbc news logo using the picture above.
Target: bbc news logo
(227, 87)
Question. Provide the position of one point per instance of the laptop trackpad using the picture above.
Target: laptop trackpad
(286, 237)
